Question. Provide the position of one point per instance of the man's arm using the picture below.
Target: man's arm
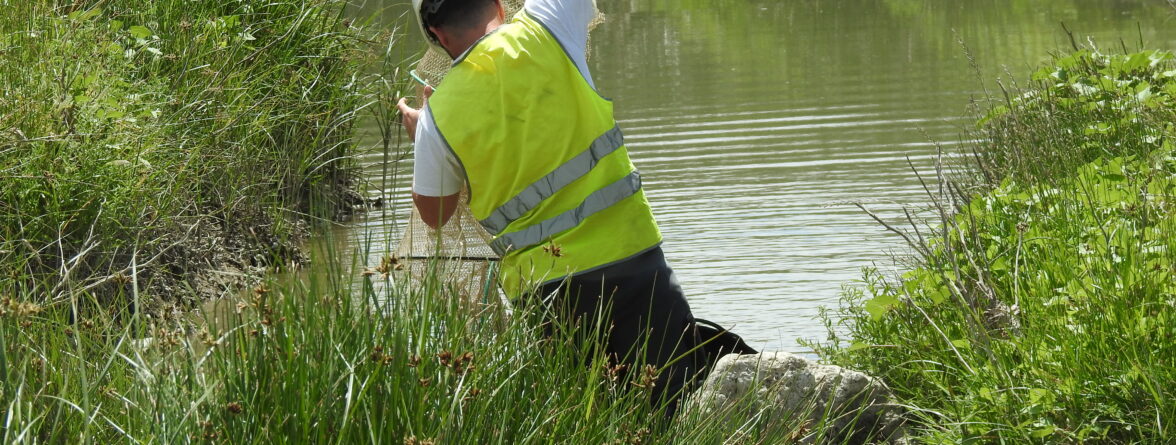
(436, 179)
(409, 115)
(435, 210)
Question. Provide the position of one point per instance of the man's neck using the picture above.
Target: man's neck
(469, 39)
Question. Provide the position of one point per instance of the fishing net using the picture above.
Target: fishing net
(458, 253)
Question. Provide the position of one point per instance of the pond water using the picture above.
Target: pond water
(758, 123)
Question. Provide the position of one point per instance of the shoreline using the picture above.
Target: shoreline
(209, 176)
(163, 155)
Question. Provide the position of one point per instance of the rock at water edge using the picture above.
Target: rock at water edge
(840, 405)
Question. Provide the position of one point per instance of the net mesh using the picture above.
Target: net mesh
(458, 252)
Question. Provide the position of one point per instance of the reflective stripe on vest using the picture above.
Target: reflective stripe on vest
(547, 168)
(597, 201)
(548, 185)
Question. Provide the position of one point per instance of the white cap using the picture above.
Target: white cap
(419, 12)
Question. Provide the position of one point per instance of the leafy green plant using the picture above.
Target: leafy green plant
(1085, 106)
(1039, 306)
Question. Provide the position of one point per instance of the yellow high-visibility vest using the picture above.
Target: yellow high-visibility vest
(545, 161)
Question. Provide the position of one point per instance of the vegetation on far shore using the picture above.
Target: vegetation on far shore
(1040, 306)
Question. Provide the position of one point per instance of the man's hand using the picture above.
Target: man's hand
(409, 115)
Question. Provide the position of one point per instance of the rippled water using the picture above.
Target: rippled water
(757, 124)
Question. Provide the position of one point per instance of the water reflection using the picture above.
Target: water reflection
(757, 122)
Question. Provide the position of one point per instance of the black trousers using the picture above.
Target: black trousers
(645, 313)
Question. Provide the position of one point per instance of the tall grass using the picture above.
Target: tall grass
(344, 355)
(1040, 308)
(141, 142)
(165, 138)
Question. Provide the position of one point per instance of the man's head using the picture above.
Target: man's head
(455, 25)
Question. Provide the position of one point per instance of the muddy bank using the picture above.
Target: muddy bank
(220, 256)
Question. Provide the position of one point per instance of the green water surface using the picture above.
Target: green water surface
(757, 123)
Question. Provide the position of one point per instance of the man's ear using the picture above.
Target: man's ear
(501, 11)
(442, 37)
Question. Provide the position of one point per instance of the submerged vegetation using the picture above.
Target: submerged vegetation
(1041, 304)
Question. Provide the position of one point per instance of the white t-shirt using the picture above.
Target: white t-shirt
(436, 171)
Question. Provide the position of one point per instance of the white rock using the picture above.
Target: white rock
(779, 384)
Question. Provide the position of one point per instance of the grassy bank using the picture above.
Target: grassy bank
(346, 355)
(1039, 306)
(143, 144)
